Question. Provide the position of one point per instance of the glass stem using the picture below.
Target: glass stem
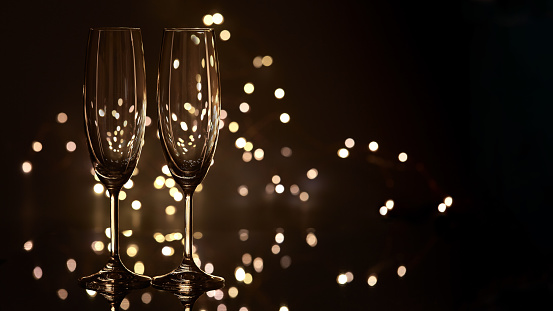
(114, 198)
(188, 232)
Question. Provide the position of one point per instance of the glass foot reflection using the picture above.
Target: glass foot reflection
(113, 277)
(188, 279)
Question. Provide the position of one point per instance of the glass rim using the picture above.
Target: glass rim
(113, 28)
(188, 29)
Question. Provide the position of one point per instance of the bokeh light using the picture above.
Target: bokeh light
(279, 93)
(248, 88)
(373, 146)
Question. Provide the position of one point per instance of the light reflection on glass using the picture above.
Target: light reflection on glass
(176, 63)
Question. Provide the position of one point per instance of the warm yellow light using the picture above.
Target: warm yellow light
(127, 233)
(176, 63)
(217, 18)
(243, 190)
(91, 293)
(167, 251)
(239, 274)
(70, 146)
(373, 146)
(61, 118)
(122, 195)
(349, 143)
(178, 196)
(390, 204)
(37, 146)
(28, 245)
(275, 179)
(279, 93)
(283, 308)
(97, 246)
(246, 259)
(233, 292)
(169, 183)
(343, 153)
(132, 250)
(224, 35)
(258, 264)
(244, 107)
(442, 207)
(259, 154)
(173, 191)
(240, 142)
(257, 62)
(284, 117)
(146, 297)
(198, 235)
(279, 237)
(208, 20)
(342, 279)
(304, 196)
(129, 184)
(136, 205)
(267, 61)
(99, 188)
(26, 167)
(402, 157)
(170, 210)
(199, 188)
(372, 280)
(71, 264)
(248, 88)
(160, 238)
(62, 294)
(159, 182)
(248, 146)
(311, 239)
(448, 201)
(401, 270)
(233, 127)
(248, 278)
(383, 210)
(139, 268)
(312, 173)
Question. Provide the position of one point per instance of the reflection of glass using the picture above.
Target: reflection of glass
(115, 111)
(189, 100)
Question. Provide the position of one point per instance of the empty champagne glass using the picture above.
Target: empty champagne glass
(189, 104)
(114, 112)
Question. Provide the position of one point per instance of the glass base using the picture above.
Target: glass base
(114, 277)
(188, 279)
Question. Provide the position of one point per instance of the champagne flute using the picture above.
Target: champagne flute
(114, 113)
(189, 105)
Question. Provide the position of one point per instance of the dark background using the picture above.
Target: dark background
(464, 88)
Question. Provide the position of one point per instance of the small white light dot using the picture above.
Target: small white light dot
(402, 157)
(284, 118)
(279, 93)
(248, 88)
(240, 142)
(312, 173)
(383, 210)
(37, 272)
(279, 188)
(27, 167)
(136, 205)
(267, 61)
(342, 279)
(71, 264)
(390, 204)
(304, 196)
(442, 207)
(373, 146)
(37, 146)
(217, 18)
(259, 154)
(349, 143)
(279, 237)
(208, 20)
(70, 146)
(28, 245)
(61, 118)
(343, 153)
(372, 280)
(243, 190)
(244, 107)
(401, 270)
(448, 201)
(240, 274)
(224, 35)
